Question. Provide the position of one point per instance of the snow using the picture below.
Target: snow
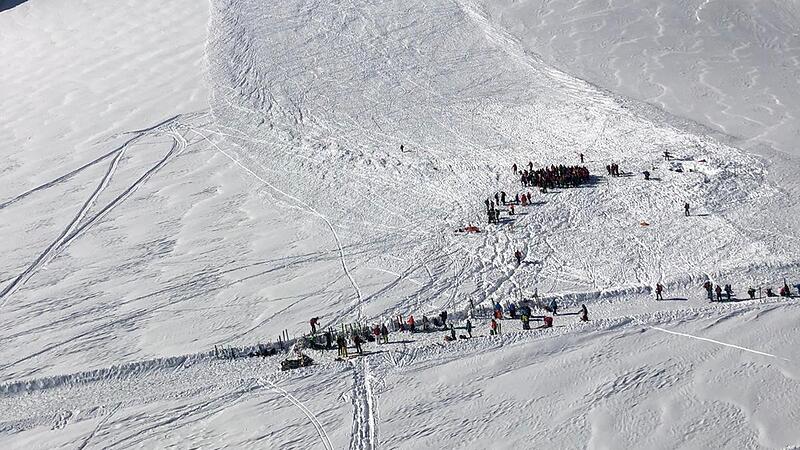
(188, 175)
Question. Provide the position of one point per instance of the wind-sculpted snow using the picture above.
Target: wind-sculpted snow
(731, 65)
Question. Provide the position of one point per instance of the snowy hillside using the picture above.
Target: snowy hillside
(184, 176)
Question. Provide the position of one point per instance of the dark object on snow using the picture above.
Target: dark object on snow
(296, 363)
(646, 175)
(584, 314)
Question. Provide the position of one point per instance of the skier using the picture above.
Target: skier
(498, 310)
(511, 210)
(728, 291)
(512, 310)
(385, 334)
(497, 198)
(526, 322)
(718, 291)
(410, 322)
(443, 316)
(584, 314)
(553, 306)
(752, 293)
(503, 197)
(516, 198)
(313, 322)
(581, 155)
(770, 293)
(469, 328)
(487, 204)
(328, 339)
(425, 323)
(667, 155)
(493, 327)
(514, 168)
(646, 175)
(452, 332)
(518, 255)
(686, 209)
(784, 292)
(709, 287)
(659, 291)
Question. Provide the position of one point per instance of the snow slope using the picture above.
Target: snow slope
(732, 65)
(177, 177)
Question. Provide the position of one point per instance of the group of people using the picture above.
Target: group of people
(613, 170)
(357, 336)
(560, 176)
(725, 293)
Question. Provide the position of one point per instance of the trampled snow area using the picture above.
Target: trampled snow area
(183, 175)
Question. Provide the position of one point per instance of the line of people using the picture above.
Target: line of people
(725, 293)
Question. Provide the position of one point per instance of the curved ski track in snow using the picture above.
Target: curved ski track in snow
(323, 435)
(80, 223)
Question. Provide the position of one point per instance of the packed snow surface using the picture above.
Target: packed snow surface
(183, 175)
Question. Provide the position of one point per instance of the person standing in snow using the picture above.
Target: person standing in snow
(686, 209)
(752, 293)
(514, 168)
(503, 197)
(342, 344)
(584, 314)
(357, 341)
(452, 332)
(443, 316)
(718, 291)
(411, 324)
(728, 292)
(497, 199)
(469, 328)
(518, 255)
(487, 204)
(385, 334)
(493, 327)
(553, 307)
(659, 291)
(313, 322)
(709, 287)
(512, 310)
(581, 155)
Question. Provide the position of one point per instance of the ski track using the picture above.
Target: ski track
(720, 343)
(323, 435)
(80, 223)
(97, 428)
